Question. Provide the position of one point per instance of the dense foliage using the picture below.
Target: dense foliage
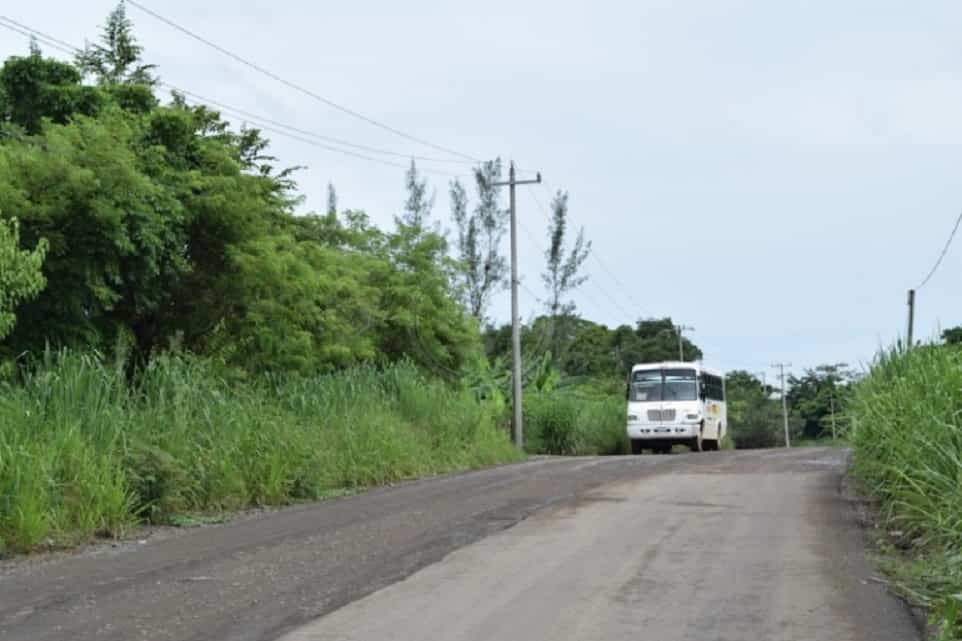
(754, 417)
(166, 227)
(82, 452)
(908, 452)
(20, 275)
(588, 349)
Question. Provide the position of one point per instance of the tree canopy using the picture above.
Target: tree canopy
(167, 227)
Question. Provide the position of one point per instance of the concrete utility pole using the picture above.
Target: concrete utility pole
(681, 345)
(781, 367)
(517, 429)
(911, 328)
(832, 400)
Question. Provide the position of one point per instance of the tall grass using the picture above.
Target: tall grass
(569, 422)
(82, 453)
(908, 451)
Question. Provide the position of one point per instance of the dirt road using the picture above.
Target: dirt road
(708, 547)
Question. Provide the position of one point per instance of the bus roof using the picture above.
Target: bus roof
(698, 367)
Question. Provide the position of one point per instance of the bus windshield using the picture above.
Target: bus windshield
(664, 385)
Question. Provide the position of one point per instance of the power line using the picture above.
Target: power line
(257, 119)
(583, 292)
(32, 33)
(298, 87)
(945, 250)
(604, 266)
(594, 282)
(243, 113)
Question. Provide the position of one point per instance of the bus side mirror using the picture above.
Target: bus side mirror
(702, 390)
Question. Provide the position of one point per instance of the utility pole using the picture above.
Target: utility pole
(831, 398)
(517, 429)
(911, 319)
(681, 345)
(781, 367)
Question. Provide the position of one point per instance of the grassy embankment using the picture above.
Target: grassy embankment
(908, 453)
(83, 454)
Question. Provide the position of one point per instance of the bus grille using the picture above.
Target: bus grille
(657, 416)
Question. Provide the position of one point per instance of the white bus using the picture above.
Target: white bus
(674, 403)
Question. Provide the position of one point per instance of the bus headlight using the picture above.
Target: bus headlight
(693, 417)
(632, 417)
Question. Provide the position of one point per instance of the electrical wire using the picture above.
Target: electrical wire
(272, 125)
(40, 37)
(595, 282)
(597, 258)
(243, 113)
(945, 250)
(297, 87)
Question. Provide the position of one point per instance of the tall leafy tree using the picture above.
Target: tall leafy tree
(481, 231)
(562, 272)
(117, 58)
(20, 274)
(331, 200)
(418, 206)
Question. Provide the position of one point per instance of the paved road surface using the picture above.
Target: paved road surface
(719, 546)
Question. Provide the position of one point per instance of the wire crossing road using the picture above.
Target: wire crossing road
(726, 546)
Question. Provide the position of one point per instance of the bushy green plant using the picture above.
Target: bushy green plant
(907, 433)
(566, 422)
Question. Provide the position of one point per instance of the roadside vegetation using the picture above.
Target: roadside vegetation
(908, 453)
(85, 453)
(180, 339)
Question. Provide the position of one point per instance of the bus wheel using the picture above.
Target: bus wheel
(697, 444)
(635, 447)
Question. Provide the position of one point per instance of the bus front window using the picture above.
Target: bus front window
(646, 386)
(680, 385)
(664, 385)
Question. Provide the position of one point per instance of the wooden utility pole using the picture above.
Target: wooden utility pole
(517, 430)
(911, 328)
(781, 367)
(681, 345)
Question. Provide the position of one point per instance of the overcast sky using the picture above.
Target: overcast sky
(775, 174)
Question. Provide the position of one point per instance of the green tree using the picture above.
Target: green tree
(482, 266)
(754, 418)
(331, 200)
(418, 206)
(21, 277)
(563, 265)
(952, 336)
(813, 395)
(117, 58)
(33, 88)
(659, 341)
